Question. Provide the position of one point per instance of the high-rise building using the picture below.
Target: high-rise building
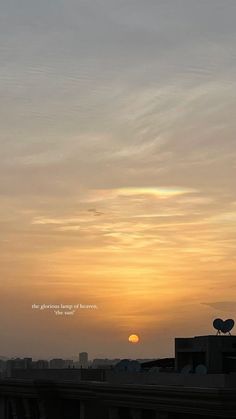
(83, 360)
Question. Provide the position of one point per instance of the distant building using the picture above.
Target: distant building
(57, 363)
(69, 363)
(27, 363)
(3, 365)
(17, 363)
(83, 360)
(104, 363)
(41, 364)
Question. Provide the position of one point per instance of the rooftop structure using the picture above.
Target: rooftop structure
(212, 354)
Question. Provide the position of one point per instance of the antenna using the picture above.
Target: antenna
(223, 326)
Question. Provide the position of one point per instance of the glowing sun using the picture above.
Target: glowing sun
(134, 339)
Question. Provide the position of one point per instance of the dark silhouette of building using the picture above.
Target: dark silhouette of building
(202, 386)
(21, 399)
(216, 353)
(163, 364)
(57, 363)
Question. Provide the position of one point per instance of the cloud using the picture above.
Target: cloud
(159, 215)
(95, 212)
(157, 192)
(227, 306)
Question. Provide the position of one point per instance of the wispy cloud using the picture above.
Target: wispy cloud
(227, 306)
(157, 192)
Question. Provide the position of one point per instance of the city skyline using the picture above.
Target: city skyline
(117, 174)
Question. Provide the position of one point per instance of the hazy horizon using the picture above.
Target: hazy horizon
(117, 175)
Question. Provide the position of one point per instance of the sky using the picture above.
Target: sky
(117, 173)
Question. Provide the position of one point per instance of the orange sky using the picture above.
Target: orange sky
(117, 175)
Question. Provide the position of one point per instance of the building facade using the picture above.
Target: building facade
(25, 399)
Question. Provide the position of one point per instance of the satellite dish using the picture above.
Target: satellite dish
(128, 365)
(201, 369)
(223, 326)
(218, 324)
(187, 369)
(122, 365)
(134, 366)
(227, 326)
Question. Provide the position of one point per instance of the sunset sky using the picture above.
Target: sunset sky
(117, 174)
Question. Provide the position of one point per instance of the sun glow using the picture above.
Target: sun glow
(134, 339)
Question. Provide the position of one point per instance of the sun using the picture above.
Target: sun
(134, 338)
